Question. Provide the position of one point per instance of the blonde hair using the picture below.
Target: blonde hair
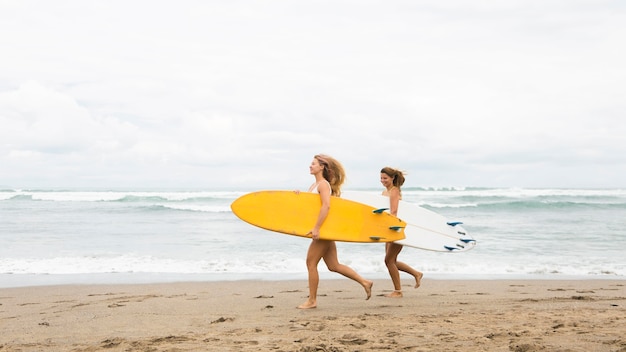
(333, 172)
(395, 174)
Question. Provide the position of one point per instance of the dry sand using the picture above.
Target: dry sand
(441, 315)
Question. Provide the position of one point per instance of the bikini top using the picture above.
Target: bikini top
(314, 189)
(386, 192)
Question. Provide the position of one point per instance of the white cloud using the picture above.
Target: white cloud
(244, 93)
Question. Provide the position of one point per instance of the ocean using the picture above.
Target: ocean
(124, 236)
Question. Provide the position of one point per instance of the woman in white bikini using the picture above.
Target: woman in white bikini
(329, 176)
(392, 180)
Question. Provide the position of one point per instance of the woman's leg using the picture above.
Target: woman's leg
(330, 258)
(407, 269)
(417, 275)
(391, 255)
(317, 248)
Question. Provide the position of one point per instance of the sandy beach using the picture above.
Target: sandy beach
(441, 315)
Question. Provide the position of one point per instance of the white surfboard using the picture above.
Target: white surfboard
(425, 229)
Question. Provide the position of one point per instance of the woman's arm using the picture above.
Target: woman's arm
(394, 201)
(324, 189)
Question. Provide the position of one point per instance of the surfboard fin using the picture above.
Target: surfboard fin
(454, 223)
(396, 228)
(379, 211)
(450, 248)
(375, 238)
(467, 240)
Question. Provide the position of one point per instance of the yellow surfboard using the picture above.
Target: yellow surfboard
(296, 213)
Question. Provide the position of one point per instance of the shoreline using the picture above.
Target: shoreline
(38, 280)
(260, 315)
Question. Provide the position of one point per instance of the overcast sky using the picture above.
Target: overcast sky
(242, 94)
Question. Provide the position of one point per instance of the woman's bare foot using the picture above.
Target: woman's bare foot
(368, 289)
(394, 294)
(308, 305)
(418, 279)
